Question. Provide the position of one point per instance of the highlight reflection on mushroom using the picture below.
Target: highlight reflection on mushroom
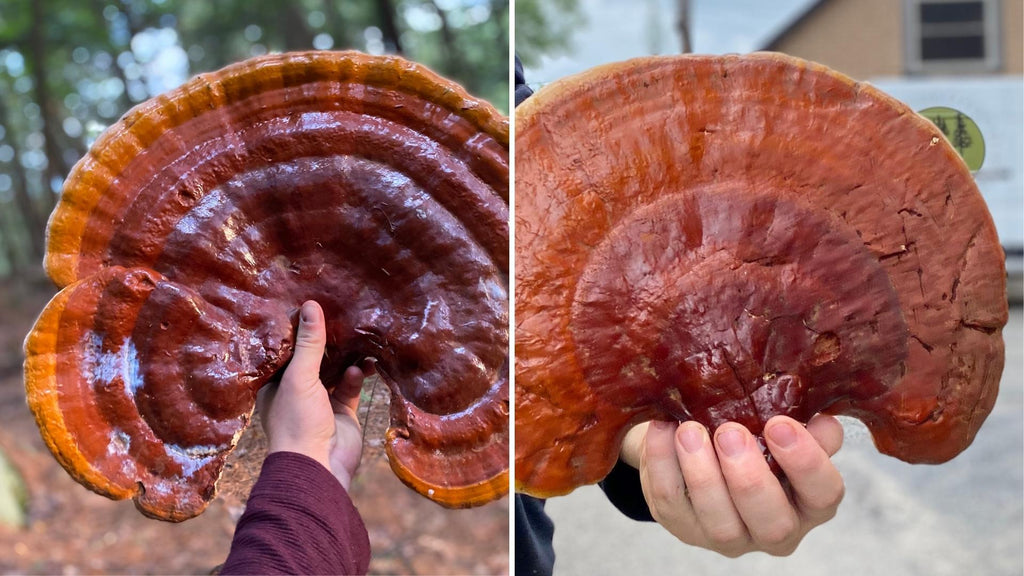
(187, 238)
(731, 238)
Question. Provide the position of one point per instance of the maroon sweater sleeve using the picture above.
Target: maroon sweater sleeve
(299, 520)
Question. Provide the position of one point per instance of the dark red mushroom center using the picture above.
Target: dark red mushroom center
(719, 306)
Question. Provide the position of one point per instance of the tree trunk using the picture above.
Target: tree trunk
(389, 26)
(452, 56)
(293, 27)
(10, 248)
(56, 167)
(683, 25)
(336, 25)
(501, 7)
(123, 102)
(34, 223)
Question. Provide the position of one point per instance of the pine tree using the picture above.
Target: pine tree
(961, 139)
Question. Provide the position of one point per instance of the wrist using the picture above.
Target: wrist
(344, 478)
(310, 452)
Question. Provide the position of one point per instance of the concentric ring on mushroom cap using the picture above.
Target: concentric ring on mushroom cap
(195, 227)
(730, 238)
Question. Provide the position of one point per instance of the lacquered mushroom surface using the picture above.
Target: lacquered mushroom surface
(728, 238)
(188, 237)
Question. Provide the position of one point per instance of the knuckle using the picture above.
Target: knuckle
(310, 340)
(301, 388)
(832, 501)
(662, 494)
(748, 485)
(727, 537)
(700, 483)
(732, 552)
(656, 511)
(778, 534)
(823, 506)
(826, 515)
(785, 549)
(663, 511)
(661, 490)
(803, 464)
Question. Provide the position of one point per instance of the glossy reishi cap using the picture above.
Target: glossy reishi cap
(188, 237)
(734, 237)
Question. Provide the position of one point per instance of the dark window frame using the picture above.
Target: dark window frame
(974, 47)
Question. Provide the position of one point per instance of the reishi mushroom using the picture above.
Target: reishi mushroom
(188, 237)
(724, 238)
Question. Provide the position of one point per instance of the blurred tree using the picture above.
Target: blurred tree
(544, 27)
(386, 13)
(31, 219)
(70, 68)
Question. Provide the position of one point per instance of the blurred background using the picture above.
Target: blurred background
(963, 517)
(69, 69)
(968, 55)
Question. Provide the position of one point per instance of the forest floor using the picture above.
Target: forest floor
(70, 530)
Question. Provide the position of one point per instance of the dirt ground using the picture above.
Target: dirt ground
(73, 531)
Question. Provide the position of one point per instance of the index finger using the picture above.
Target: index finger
(817, 485)
(345, 396)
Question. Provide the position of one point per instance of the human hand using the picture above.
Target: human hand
(301, 415)
(722, 495)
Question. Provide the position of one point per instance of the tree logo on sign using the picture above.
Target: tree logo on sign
(961, 132)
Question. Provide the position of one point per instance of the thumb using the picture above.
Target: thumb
(632, 445)
(304, 368)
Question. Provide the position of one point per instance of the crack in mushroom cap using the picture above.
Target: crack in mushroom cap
(731, 238)
(187, 238)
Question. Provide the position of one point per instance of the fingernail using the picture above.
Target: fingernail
(308, 313)
(782, 434)
(691, 436)
(731, 442)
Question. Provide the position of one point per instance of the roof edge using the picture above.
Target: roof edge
(773, 43)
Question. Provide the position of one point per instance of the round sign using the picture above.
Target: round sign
(962, 132)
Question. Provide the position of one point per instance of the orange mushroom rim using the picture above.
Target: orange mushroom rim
(187, 237)
(733, 237)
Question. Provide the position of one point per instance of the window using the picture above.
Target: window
(952, 36)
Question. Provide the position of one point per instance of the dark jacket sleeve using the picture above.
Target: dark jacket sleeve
(299, 520)
(522, 90)
(535, 552)
(623, 489)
